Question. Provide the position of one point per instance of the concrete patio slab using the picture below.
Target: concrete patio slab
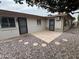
(47, 36)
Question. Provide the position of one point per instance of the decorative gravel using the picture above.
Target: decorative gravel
(67, 49)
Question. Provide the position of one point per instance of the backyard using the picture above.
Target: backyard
(39, 29)
(66, 46)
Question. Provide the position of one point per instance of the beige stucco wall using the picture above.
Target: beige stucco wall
(6, 33)
(47, 24)
(59, 24)
(32, 27)
(32, 24)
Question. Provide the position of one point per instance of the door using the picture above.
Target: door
(22, 25)
(51, 24)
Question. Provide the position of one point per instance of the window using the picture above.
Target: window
(38, 21)
(7, 22)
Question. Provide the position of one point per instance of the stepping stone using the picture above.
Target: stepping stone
(20, 40)
(57, 43)
(44, 44)
(65, 40)
(25, 43)
(35, 44)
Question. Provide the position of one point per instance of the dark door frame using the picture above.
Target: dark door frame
(24, 18)
(52, 20)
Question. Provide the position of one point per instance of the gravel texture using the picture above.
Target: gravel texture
(17, 49)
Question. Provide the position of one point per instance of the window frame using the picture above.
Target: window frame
(9, 24)
(38, 21)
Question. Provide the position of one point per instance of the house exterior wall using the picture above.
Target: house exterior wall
(58, 24)
(6, 33)
(32, 24)
(47, 24)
